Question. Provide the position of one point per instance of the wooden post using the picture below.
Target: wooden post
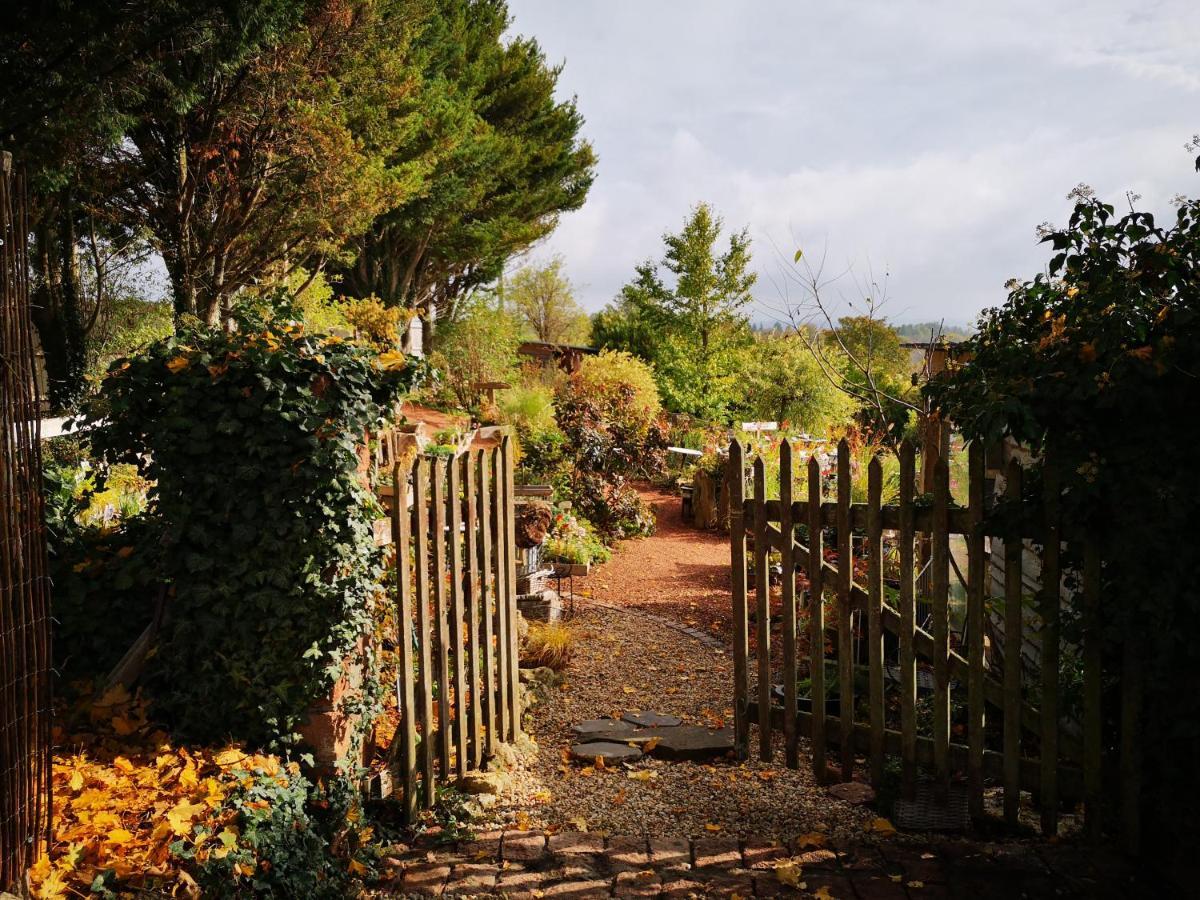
(405, 741)
(762, 593)
(487, 601)
(741, 649)
(908, 623)
(940, 561)
(474, 608)
(500, 567)
(976, 575)
(1051, 577)
(1013, 548)
(816, 617)
(845, 571)
(787, 552)
(874, 550)
(425, 674)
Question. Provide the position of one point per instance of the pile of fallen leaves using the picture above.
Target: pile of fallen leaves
(126, 801)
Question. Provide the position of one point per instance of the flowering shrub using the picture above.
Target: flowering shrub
(573, 540)
(251, 440)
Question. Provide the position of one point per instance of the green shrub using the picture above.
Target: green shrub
(574, 540)
(252, 441)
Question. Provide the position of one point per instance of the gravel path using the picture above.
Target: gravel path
(628, 659)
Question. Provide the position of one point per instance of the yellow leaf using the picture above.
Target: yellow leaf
(651, 744)
(124, 726)
(230, 757)
(178, 364)
(120, 836)
(915, 884)
(243, 869)
(182, 815)
(619, 798)
(627, 689)
(882, 827)
(357, 868)
(822, 893)
(579, 823)
(811, 840)
(522, 821)
(123, 764)
(643, 775)
(712, 826)
(587, 771)
(392, 361)
(53, 887)
(187, 778)
(76, 781)
(789, 874)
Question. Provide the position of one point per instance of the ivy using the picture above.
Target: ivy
(251, 439)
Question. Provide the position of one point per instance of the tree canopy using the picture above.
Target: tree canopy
(544, 300)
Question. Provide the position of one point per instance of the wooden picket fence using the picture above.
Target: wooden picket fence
(455, 573)
(1084, 759)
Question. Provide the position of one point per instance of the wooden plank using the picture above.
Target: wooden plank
(474, 608)
(787, 554)
(816, 617)
(1131, 751)
(1093, 714)
(425, 674)
(510, 581)
(874, 552)
(737, 549)
(1013, 549)
(500, 611)
(908, 622)
(487, 596)
(458, 637)
(441, 606)
(959, 519)
(940, 587)
(1070, 777)
(404, 743)
(845, 575)
(977, 563)
(1049, 607)
(762, 597)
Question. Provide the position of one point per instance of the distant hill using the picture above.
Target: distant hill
(922, 331)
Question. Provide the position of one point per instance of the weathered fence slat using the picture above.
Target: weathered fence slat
(457, 613)
(786, 552)
(1013, 549)
(441, 607)
(940, 587)
(845, 571)
(501, 598)
(472, 591)
(874, 552)
(425, 674)
(737, 530)
(405, 741)
(762, 597)
(908, 622)
(816, 617)
(1093, 717)
(1049, 607)
(510, 582)
(976, 573)
(487, 598)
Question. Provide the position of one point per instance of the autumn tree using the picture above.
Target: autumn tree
(503, 159)
(544, 299)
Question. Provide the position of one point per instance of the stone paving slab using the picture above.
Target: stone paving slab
(578, 865)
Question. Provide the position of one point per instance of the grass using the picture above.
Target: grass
(549, 644)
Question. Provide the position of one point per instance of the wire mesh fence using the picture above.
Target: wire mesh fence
(25, 714)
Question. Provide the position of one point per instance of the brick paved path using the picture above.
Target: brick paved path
(522, 864)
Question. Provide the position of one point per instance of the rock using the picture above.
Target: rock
(604, 729)
(692, 742)
(853, 792)
(545, 606)
(610, 752)
(652, 720)
(480, 783)
(540, 675)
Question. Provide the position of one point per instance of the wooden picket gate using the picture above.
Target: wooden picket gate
(455, 566)
(1068, 764)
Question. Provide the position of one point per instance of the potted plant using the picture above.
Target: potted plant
(572, 546)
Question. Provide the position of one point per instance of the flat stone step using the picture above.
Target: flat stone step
(692, 742)
(604, 729)
(610, 752)
(651, 720)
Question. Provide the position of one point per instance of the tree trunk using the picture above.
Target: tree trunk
(56, 311)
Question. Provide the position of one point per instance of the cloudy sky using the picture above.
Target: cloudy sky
(924, 140)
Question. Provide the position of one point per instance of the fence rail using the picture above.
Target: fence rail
(24, 588)
(452, 522)
(871, 624)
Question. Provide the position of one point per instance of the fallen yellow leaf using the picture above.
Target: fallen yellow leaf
(711, 826)
(120, 836)
(811, 840)
(882, 827)
(789, 874)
